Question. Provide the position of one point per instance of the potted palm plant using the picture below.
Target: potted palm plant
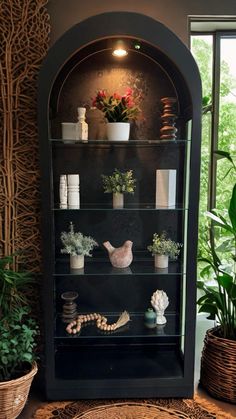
(18, 332)
(218, 288)
(77, 246)
(119, 183)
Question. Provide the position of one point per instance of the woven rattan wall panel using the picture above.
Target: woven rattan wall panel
(24, 40)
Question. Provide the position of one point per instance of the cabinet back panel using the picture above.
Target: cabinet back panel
(93, 161)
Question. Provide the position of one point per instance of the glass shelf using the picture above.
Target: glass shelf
(135, 328)
(130, 143)
(101, 267)
(128, 207)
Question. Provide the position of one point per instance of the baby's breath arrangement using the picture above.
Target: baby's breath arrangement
(119, 182)
(162, 245)
(76, 244)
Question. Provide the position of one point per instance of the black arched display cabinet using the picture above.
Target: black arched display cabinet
(134, 361)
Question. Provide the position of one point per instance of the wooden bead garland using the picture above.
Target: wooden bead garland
(101, 322)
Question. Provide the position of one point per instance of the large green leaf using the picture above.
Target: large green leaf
(220, 154)
(232, 209)
(219, 222)
(225, 281)
(208, 308)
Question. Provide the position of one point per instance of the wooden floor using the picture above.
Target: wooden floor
(35, 400)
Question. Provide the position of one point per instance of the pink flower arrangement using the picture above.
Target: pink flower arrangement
(117, 108)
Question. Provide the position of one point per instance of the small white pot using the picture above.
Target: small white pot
(77, 261)
(118, 131)
(161, 261)
(68, 130)
(118, 200)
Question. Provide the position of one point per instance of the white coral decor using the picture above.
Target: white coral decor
(160, 302)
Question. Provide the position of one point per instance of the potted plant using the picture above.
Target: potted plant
(119, 183)
(218, 288)
(163, 248)
(119, 110)
(77, 246)
(18, 332)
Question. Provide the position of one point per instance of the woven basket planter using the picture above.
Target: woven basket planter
(218, 366)
(14, 393)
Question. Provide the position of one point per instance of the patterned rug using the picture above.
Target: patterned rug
(135, 409)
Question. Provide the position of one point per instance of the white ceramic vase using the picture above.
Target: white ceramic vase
(77, 261)
(118, 200)
(161, 261)
(118, 131)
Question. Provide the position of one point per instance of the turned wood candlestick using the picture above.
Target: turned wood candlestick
(168, 130)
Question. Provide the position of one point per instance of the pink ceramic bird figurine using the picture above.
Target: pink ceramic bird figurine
(120, 257)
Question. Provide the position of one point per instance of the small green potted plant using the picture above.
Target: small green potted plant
(77, 246)
(163, 248)
(118, 110)
(18, 340)
(119, 183)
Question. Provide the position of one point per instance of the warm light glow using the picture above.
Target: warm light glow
(120, 52)
(119, 49)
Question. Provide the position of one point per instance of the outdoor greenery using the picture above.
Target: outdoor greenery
(75, 243)
(119, 182)
(202, 50)
(218, 276)
(17, 329)
(162, 245)
(217, 239)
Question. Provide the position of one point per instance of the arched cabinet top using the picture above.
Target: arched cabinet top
(94, 34)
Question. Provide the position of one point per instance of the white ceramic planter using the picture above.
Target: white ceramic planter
(118, 131)
(68, 130)
(161, 261)
(77, 261)
(118, 200)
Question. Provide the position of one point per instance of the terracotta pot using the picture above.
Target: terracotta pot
(218, 366)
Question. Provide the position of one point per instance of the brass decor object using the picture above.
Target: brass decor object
(14, 393)
(218, 366)
(24, 28)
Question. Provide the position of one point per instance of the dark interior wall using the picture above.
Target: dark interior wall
(172, 13)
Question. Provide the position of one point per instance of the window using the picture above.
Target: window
(215, 54)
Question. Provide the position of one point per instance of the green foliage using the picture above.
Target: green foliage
(162, 245)
(119, 182)
(17, 343)
(76, 244)
(202, 47)
(12, 286)
(218, 274)
(17, 329)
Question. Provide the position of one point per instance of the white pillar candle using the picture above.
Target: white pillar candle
(63, 192)
(73, 191)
